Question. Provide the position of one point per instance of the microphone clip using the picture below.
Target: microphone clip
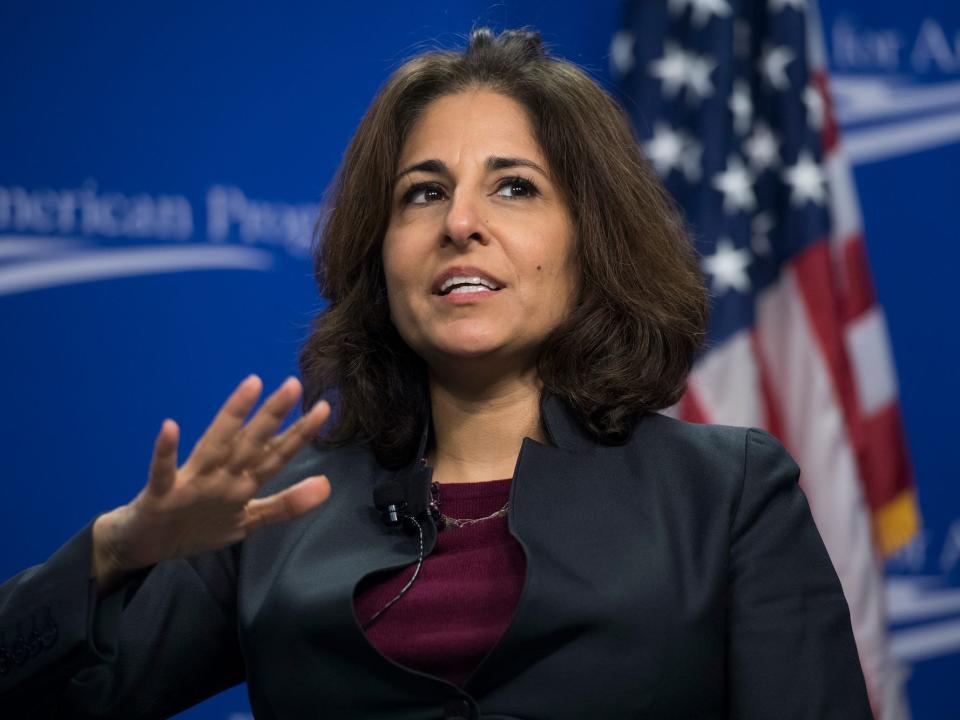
(390, 499)
(394, 514)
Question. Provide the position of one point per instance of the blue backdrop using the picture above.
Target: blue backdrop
(160, 167)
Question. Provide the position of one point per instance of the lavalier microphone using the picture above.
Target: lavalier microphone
(390, 499)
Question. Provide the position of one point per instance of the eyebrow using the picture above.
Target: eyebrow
(493, 163)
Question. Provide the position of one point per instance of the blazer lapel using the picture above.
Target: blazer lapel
(576, 593)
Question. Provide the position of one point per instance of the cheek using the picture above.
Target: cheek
(554, 266)
(402, 273)
(558, 277)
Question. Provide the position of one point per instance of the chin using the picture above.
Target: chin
(468, 348)
(467, 342)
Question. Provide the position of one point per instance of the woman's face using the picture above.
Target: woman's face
(479, 256)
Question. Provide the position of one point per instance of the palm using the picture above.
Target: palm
(210, 501)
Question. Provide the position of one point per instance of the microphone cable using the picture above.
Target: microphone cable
(389, 499)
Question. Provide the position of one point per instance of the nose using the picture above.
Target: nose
(463, 223)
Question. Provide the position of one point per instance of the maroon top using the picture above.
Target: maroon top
(465, 595)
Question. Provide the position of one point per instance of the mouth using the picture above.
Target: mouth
(457, 281)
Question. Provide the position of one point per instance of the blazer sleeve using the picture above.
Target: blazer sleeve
(163, 641)
(791, 652)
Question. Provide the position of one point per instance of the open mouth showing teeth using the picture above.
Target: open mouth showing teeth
(466, 285)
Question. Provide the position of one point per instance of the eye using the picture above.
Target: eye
(517, 187)
(422, 194)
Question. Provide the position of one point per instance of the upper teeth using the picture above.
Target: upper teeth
(462, 280)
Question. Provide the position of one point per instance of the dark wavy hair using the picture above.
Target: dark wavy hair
(629, 342)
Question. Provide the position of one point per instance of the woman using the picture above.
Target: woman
(511, 296)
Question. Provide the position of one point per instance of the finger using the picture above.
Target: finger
(259, 431)
(288, 504)
(218, 437)
(163, 464)
(283, 447)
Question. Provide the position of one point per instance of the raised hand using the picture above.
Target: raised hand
(209, 502)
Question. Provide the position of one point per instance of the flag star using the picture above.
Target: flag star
(760, 228)
(671, 149)
(621, 52)
(736, 184)
(698, 76)
(773, 65)
(703, 10)
(816, 110)
(664, 149)
(671, 68)
(806, 179)
(741, 106)
(778, 5)
(678, 68)
(728, 267)
(761, 148)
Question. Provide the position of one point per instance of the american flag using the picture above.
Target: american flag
(730, 101)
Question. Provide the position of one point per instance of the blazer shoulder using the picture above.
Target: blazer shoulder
(724, 453)
(677, 435)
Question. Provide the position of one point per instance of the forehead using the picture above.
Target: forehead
(474, 124)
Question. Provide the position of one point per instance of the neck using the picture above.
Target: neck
(478, 431)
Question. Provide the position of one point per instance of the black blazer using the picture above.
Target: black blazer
(678, 575)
